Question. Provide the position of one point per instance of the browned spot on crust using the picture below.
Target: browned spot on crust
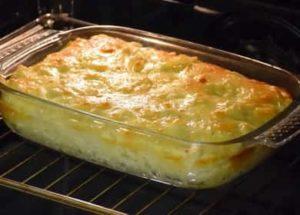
(240, 159)
(173, 158)
(206, 161)
(9, 112)
(227, 127)
(105, 105)
(168, 105)
(130, 145)
(5, 109)
(78, 127)
(107, 50)
(202, 80)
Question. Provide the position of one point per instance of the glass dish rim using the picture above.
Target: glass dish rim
(248, 137)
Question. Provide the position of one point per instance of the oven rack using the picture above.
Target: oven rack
(30, 168)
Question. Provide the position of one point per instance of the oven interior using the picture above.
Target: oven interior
(266, 30)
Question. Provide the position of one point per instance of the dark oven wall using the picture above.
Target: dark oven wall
(15, 13)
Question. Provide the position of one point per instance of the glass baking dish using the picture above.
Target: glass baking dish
(138, 151)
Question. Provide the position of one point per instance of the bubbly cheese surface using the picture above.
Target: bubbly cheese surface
(170, 93)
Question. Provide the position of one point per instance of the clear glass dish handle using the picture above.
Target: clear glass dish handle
(12, 52)
(282, 132)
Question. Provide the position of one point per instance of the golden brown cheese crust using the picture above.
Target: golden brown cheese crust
(163, 91)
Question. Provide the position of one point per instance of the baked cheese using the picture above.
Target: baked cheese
(170, 93)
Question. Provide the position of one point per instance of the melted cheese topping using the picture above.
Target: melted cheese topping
(163, 91)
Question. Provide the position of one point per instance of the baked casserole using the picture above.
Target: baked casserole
(186, 107)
